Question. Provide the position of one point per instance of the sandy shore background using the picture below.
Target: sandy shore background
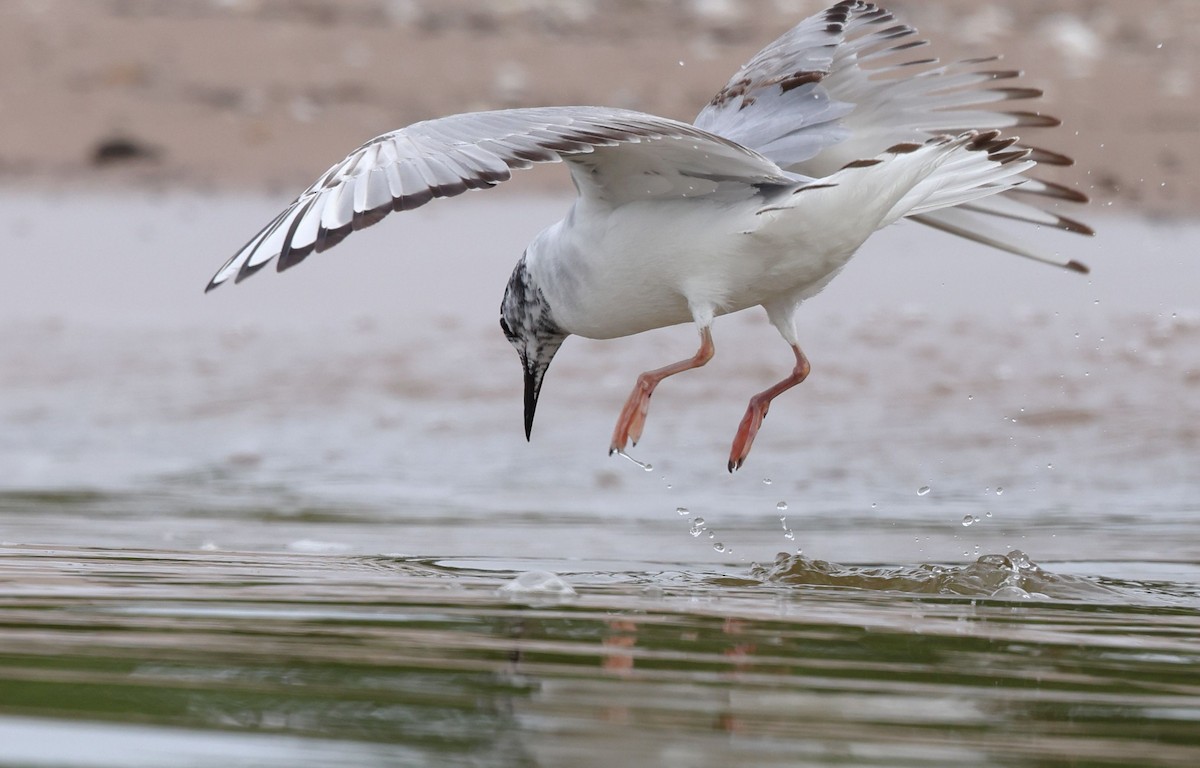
(264, 94)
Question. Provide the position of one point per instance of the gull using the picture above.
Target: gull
(830, 133)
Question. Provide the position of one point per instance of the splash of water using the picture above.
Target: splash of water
(1001, 577)
(646, 466)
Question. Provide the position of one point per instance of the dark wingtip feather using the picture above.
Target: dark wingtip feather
(1008, 157)
(1046, 157)
(327, 238)
(996, 74)
(1035, 120)
(248, 269)
(1078, 227)
(1078, 266)
(1000, 144)
(290, 257)
(1014, 94)
(1061, 192)
(409, 202)
(891, 33)
(364, 219)
(985, 140)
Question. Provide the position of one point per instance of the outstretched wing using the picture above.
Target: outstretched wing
(616, 155)
(776, 102)
(841, 87)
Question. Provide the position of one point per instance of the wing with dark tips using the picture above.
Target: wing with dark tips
(844, 85)
(609, 150)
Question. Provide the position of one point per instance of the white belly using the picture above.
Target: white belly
(652, 264)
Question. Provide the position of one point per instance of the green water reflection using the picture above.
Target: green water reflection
(416, 662)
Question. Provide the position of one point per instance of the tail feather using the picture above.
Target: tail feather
(956, 222)
(969, 167)
(910, 180)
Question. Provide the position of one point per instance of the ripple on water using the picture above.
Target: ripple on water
(1002, 577)
(432, 662)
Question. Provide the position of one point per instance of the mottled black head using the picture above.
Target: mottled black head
(529, 326)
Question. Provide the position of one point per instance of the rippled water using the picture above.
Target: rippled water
(296, 522)
(205, 658)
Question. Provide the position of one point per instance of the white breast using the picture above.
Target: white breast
(616, 272)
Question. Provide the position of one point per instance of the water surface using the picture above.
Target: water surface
(273, 525)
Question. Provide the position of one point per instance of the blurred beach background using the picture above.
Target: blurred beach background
(262, 95)
(267, 526)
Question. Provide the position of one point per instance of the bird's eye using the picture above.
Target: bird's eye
(504, 327)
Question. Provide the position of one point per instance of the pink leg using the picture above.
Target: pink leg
(633, 415)
(758, 411)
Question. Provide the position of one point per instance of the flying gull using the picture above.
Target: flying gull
(828, 134)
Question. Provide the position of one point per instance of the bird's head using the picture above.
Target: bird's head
(528, 324)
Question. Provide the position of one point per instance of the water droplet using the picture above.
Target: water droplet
(1049, 466)
(712, 534)
(1159, 46)
(647, 466)
(783, 521)
(781, 506)
(766, 481)
(682, 64)
(874, 505)
(789, 536)
(681, 510)
(999, 490)
(719, 546)
(970, 397)
(923, 490)
(988, 513)
(968, 521)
